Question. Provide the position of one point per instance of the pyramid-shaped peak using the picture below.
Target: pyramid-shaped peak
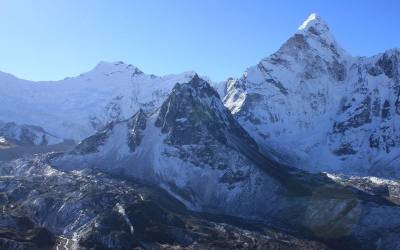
(315, 29)
(314, 24)
(196, 87)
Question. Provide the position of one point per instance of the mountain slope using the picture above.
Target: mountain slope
(184, 145)
(194, 149)
(76, 107)
(314, 106)
(27, 135)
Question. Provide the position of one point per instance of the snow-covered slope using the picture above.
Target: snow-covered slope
(313, 105)
(193, 148)
(26, 135)
(192, 141)
(76, 107)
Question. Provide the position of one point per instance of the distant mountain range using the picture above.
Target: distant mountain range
(311, 104)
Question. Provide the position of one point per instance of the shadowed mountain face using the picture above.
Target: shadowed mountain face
(313, 105)
(193, 148)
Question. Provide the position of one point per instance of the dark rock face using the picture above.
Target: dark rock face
(374, 70)
(361, 116)
(269, 78)
(110, 231)
(386, 110)
(345, 149)
(19, 232)
(397, 103)
(202, 130)
(384, 139)
(234, 176)
(375, 116)
(136, 125)
(337, 70)
(92, 143)
(389, 64)
(27, 137)
(297, 41)
(37, 238)
(194, 114)
(113, 108)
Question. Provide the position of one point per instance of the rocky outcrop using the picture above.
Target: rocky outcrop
(136, 125)
(193, 113)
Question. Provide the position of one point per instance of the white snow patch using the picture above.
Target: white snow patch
(121, 210)
(311, 18)
(181, 119)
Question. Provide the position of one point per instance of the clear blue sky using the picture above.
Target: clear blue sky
(52, 39)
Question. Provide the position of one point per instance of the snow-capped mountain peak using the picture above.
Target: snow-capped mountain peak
(109, 68)
(311, 100)
(318, 36)
(314, 21)
(76, 107)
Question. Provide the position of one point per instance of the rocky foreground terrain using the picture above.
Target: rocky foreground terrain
(46, 208)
